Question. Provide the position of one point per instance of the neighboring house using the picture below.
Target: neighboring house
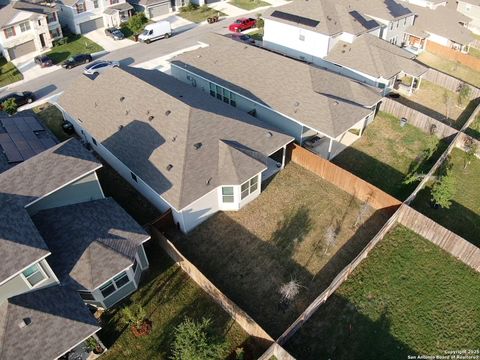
(375, 62)
(431, 4)
(178, 147)
(154, 8)
(471, 8)
(27, 28)
(444, 26)
(61, 240)
(301, 100)
(83, 16)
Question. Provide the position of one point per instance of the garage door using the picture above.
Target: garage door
(22, 49)
(160, 9)
(91, 25)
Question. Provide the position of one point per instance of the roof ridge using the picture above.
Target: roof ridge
(227, 147)
(184, 165)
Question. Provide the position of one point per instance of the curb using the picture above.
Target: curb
(100, 53)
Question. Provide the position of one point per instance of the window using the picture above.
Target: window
(51, 18)
(301, 37)
(39, 22)
(55, 33)
(86, 296)
(113, 285)
(223, 94)
(134, 177)
(113, 2)
(226, 96)
(80, 7)
(391, 26)
(25, 26)
(95, 4)
(249, 187)
(219, 93)
(212, 89)
(107, 289)
(34, 275)
(134, 266)
(121, 280)
(227, 194)
(233, 101)
(94, 141)
(9, 32)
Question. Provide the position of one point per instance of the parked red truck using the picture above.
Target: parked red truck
(242, 24)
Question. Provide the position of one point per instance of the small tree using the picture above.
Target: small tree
(463, 94)
(443, 189)
(134, 315)
(330, 237)
(10, 106)
(193, 341)
(289, 290)
(136, 23)
(471, 149)
(260, 21)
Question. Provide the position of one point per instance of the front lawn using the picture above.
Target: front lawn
(301, 229)
(197, 14)
(168, 296)
(440, 104)
(386, 153)
(452, 68)
(53, 120)
(76, 44)
(249, 4)
(463, 217)
(409, 297)
(8, 73)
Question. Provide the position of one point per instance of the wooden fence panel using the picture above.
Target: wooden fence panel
(449, 82)
(240, 316)
(417, 118)
(437, 234)
(343, 179)
(445, 52)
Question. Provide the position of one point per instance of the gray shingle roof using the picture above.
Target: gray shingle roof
(20, 242)
(58, 321)
(290, 87)
(8, 12)
(375, 57)
(180, 117)
(90, 242)
(119, 7)
(337, 16)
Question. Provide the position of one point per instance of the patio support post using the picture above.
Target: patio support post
(419, 82)
(364, 126)
(330, 145)
(411, 86)
(283, 156)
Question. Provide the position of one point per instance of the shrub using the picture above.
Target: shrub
(137, 22)
(193, 341)
(134, 315)
(10, 106)
(463, 94)
(204, 8)
(59, 42)
(260, 21)
(189, 7)
(471, 149)
(443, 189)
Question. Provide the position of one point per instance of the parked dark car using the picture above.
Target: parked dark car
(115, 33)
(68, 128)
(21, 98)
(243, 38)
(76, 60)
(43, 61)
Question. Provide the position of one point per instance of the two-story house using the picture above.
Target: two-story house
(27, 28)
(63, 245)
(471, 8)
(83, 16)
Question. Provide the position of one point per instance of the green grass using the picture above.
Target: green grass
(385, 153)
(199, 14)
(408, 297)
(280, 236)
(76, 44)
(474, 52)
(8, 73)
(463, 217)
(474, 129)
(452, 68)
(53, 119)
(249, 4)
(168, 295)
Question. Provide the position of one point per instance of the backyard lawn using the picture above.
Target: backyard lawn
(249, 4)
(8, 73)
(432, 100)
(409, 297)
(386, 152)
(452, 68)
(197, 14)
(474, 128)
(52, 118)
(463, 217)
(168, 296)
(76, 44)
(280, 237)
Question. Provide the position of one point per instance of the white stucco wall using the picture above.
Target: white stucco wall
(438, 39)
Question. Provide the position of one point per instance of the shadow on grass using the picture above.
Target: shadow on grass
(251, 271)
(292, 230)
(339, 331)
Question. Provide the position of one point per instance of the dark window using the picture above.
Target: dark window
(134, 266)
(85, 295)
(121, 280)
(107, 289)
(94, 141)
(134, 177)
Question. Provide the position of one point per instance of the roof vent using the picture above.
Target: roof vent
(24, 322)
(174, 138)
(127, 112)
(122, 98)
(269, 134)
(296, 103)
(96, 104)
(169, 167)
(120, 127)
(180, 96)
(335, 102)
(199, 56)
(208, 181)
(197, 145)
(168, 112)
(150, 118)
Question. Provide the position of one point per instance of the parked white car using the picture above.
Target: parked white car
(98, 67)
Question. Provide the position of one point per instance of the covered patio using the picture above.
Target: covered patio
(407, 84)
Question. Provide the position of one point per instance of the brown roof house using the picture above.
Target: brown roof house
(180, 148)
(63, 245)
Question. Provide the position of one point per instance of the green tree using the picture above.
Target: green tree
(443, 190)
(10, 106)
(471, 149)
(260, 21)
(137, 22)
(134, 315)
(193, 341)
(463, 94)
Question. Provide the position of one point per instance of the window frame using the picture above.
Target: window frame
(24, 26)
(95, 4)
(40, 270)
(9, 32)
(228, 196)
(134, 177)
(85, 292)
(80, 7)
(112, 282)
(248, 187)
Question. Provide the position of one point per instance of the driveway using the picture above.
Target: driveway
(177, 23)
(107, 42)
(29, 69)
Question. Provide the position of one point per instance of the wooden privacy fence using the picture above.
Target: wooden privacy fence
(449, 82)
(417, 118)
(343, 179)
(335, 284)
(462, 138)
(240, 316)
(437, 234)
(276, 350)
(446, 52)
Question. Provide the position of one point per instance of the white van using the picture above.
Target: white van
(155, 31)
